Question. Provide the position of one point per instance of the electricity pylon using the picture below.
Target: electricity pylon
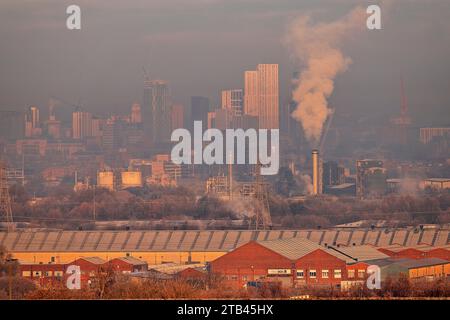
(5, 200)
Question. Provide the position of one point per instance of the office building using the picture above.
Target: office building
(262, 95)
(136, 117)
(177, 116)
(81, 125)
(428, 134)
(233, 100)
(199, 110)
(156, 111)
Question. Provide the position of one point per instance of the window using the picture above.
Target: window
(244, 278)
(300, 273)
(58, 274)
(48, 273)
(351, 273)
(26, 273)
(52, 259)
(312, 273)
(234, 277)
(361, 273)
(37, 273)
(337, 274)
(325, 274)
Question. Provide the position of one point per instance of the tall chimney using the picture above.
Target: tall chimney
(317, 183)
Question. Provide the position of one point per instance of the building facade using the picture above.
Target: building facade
(261, 96)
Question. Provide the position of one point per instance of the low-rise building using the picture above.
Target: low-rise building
(292, 262)
(128, 265)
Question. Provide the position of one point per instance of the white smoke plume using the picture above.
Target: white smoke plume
(242, 208)
(317, 48)
(305, 183)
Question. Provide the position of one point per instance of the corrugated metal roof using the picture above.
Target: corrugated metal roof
(207, 240)
(293, 248)
(132, 260)
(427, 262)
(362, 253)
(94, 260)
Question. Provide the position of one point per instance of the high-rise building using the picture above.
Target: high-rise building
(428, 134)
(53, 127)
(32, 122)
(262, 95)
(251, 93)
(34, 116)
(233, 100)
(199, 110)
(177, 116)
(136, 116)
(109, 135)
(156, 111)
(81, 125)
(268, 96)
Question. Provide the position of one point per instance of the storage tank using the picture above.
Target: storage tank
(131, 179)
(105, 179)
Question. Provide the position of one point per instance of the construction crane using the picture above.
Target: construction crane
(146, 75)
(77, 107)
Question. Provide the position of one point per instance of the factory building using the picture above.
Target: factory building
(333, 174)
(371, 178)
(128, 265)
(437, 184)
(90, 267)
(292, 262)
(156, 247)
(400, 252)
(415, 269)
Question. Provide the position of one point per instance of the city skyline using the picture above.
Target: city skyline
(378, 58)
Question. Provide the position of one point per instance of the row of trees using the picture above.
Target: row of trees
(327, 211)
(64, 207)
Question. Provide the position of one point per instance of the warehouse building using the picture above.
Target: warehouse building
(292, 262)
(415, 269)
(90, 267)
(419, 252)
(190, 246)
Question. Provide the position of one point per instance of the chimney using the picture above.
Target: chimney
(317, 172)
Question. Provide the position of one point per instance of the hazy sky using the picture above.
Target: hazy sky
(203, 46)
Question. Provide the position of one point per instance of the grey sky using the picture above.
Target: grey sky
(203, 46)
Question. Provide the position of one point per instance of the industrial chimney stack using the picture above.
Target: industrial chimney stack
(317, 172)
